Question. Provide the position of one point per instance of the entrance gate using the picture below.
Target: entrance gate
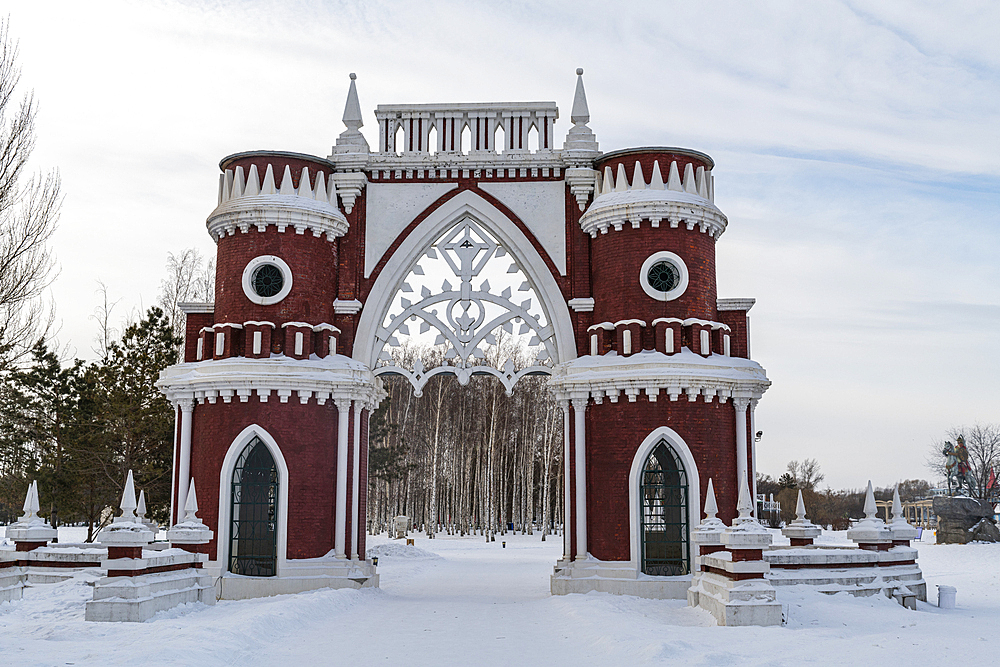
(253, 512)
(665, 529)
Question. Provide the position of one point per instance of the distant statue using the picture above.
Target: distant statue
(400, 525)
(957, 465)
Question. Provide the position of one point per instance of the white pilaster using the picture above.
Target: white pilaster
(753, 457)
(356, 478)
(741, 406)
(184, 466)
(340, 526)
(579, 413)
(567, 499)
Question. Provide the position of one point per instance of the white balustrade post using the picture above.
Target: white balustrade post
(340, 524)
(184, 465)
(579, 413)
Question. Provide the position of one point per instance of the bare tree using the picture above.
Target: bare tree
(29, 211)
(806, 474)
(189, 278)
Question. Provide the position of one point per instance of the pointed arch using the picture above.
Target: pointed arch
(675, 442)
(450, 213)
(225, 489)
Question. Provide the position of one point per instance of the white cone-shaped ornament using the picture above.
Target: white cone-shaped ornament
(191, 530)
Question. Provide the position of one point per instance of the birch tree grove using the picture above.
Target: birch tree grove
(467, 459)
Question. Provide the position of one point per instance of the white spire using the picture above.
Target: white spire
(800, 509)
(871, 509)
(267, 188)
(30, 504)
(673, 178)
(621, 182)
(128, 503)
(253, 182)
(140, 510)
(609, 181)
(744, 505)
(352, 110)
(305, 187)
(638, 180)
(711, 507)
(238, 183)
(581, 112)
(897, 506)
(320, 192)
(689, 185)
(191, 506)
(286, 182)
(656, 180)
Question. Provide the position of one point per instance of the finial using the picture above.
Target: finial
(128, 503)
(191, 506)
(711, 507)
(140, 510)
(30, 504)
(581, 112)
(800, 509)
(871, 509)
(744, 506)
(897, 506)
(352, 110)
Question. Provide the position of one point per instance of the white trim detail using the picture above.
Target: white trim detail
(350, 307)
(189, 307)
(286, 274)
(581, 304)
(734, 304)
(678, 264)
(225, 489)
(676, 442)
(465, 204)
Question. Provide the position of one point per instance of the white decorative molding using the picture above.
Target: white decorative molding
(689, 321)
(581, 304)
(682, 270)
(734, 304)
(348, 307)
(192, 307)
(253, 265)
(685, 372)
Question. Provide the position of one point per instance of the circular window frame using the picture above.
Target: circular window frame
(682, 283)
(286, 276)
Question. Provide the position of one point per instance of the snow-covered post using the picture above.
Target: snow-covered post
(900, 529)
(708, 537)
(802, 531)
(31, 531)
(127, 535)
(190, 534)
(733, 586)
(871, 533)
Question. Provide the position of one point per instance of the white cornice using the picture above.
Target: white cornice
(282, 211)
(735, 304)
(190, 307)
(349, 307)
(581, 304)
(650, 372)
(616, 209)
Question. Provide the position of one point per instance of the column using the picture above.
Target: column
(580, 413)
(753, 457)
(567, 500)
(356, 495)
(184, 471)
(741, 405)
(340, 524)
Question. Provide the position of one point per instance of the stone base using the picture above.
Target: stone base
(615, 577)
(296, 576)
(51, 565)
(958, 517)
(11, 583)
(137, 599)
(850, 570)
(736, 603)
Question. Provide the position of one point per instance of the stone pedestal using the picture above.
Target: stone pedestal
(802, 531)
(900, 529)
(871, 533)
(708, 538)
(959, 520)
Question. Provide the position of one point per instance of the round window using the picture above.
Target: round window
(267, 280)
(664, 276)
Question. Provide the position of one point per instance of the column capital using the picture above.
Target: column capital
(753, 403)
(580, 403)
(186, 404)
(343, 404)
(741, 403)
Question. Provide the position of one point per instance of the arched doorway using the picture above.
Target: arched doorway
(665, 533)
(253, 530)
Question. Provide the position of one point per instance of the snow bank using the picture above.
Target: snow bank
(401, 550)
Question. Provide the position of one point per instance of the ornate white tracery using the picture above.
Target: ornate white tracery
(473, 295)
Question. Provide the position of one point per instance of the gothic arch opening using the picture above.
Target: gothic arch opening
(664, 529)
(253, 529)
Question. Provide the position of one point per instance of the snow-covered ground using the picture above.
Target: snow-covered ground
(463, 601)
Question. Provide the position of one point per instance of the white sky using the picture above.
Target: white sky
(856, 147)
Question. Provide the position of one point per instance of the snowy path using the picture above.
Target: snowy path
(455, 601)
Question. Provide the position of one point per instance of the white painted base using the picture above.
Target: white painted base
(737, 603)
(11, 583)
(848, 570)
(296, 576)
(615, 577)
(137, 599)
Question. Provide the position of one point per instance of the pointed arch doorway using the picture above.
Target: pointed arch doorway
(665, 532)
(253, 543)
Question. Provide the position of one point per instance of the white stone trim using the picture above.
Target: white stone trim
(581, 304)
(694, 490)
(619, 323)
(466, 203)
(607, 326)
(349, 307)
(190, 307)
(225, 489)
(281, 211)
(325, 327)
(286, 274)
(734, 304)
(618, 210)
(673, 258)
